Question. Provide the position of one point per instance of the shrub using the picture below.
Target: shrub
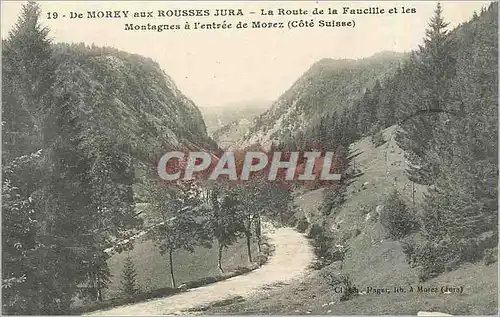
(333, 279)
(429, 261)
(350, 290)
(242, 270)
(261, 259)
(409, 247)
(302, 224)
(378, 139)
(338, 254)
(324, 247)
(330, 277)
(432, 258)
(490, 256)
(468, 250)
(334, 197)
(202, 281)
(216, 304)
(315, 230)
(396, 218)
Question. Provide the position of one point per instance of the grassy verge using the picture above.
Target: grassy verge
(314, 296)
(153, 271)
(200, 275)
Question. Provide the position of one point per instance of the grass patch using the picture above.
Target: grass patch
(143, 295)
(153, 269)
(217, 304)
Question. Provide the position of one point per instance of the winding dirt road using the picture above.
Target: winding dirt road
(290, 260)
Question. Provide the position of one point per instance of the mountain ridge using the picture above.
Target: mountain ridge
(329, 86)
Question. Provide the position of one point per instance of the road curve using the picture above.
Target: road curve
(291, 259)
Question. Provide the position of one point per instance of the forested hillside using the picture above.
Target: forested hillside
(328, 87)
(445, 100)
(81, 128)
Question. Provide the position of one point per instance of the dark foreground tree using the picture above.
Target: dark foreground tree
(129, 274)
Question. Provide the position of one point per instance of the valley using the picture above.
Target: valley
(407, 225)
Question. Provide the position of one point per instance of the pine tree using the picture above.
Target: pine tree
(29, 73)
(129, 284)
(396, 217)
(462, 204)
(365, 115)
(29, 70)
(386, 106)
(435, 67)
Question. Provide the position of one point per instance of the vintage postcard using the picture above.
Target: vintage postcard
(249, 158)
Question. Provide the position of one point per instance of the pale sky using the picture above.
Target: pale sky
(220, 67)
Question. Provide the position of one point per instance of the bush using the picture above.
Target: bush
(429, 261)
(490, 256)
(302, 224)
(242, 270)
(203, 281)
(432, 258)
(378, 139)
(396, 218)
(324, 247)
(468, 250)
(409, 247)
(350, 290)
(292, 221)
(334, 279)
(315, 230)
(334, 197)
(221, 303)
(261, 259)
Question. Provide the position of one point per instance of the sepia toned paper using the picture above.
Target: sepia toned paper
(249, 157)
